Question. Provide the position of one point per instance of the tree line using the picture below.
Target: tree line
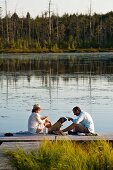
(69, 32)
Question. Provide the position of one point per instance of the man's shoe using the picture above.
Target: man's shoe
(72, 133)
(91, 134)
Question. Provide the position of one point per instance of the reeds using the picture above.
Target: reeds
(64, 155)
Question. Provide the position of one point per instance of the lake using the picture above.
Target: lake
(58, 82)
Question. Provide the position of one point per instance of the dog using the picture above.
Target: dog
(56, 127)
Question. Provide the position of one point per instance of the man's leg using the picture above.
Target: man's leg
(80, 128)
(76, 128)
(72, 126)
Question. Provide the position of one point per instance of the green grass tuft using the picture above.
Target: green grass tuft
(64, 155)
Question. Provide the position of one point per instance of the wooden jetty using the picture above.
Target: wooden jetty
(14, 141)
(42, 137)
(33, 141)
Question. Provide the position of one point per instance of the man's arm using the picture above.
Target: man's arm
(79, 118)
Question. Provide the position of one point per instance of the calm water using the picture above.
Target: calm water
(58, 82)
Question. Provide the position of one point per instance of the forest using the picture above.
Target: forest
(55, 33)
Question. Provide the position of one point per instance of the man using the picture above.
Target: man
(82, 124)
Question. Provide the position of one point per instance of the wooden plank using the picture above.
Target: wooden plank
(27, 138)
(35, 138)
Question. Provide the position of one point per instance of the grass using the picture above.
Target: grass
(64, 155)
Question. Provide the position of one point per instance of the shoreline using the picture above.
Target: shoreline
(82, 50)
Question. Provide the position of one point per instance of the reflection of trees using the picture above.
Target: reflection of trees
(56, 66)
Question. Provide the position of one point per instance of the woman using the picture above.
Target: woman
(36, 123)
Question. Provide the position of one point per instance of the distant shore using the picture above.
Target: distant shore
(79, 50)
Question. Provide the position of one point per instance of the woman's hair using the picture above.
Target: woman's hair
(76, 108)
(36, 107)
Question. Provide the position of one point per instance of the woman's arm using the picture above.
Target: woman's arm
(40, 120)
(44, 118)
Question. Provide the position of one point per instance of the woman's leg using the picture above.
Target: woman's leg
(38, 130)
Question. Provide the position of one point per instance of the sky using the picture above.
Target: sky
(37, 7)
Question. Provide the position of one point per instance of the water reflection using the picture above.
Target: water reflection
(54, 65)
(58, 82)
(57, 64)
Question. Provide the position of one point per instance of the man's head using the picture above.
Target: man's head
(76, 110)
(36, 108)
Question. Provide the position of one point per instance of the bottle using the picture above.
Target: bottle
(44, 131)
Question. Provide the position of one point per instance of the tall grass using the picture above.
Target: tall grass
(64, 155)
